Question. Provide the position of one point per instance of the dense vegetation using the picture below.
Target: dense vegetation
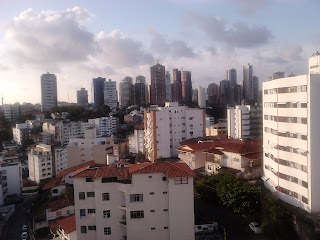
(252, 202)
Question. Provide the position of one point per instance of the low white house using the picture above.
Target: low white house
(63, 207)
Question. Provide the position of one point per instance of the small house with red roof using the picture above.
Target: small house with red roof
(64, 228)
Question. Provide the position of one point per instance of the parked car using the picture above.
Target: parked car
(24, 228)
(255, 227)
(203, 228)
(24, 235)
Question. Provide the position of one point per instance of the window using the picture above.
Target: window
(89, 179)
(165, 192)
(153, 228)
(82, 196)
(105, 197)
(152, 210)
(165, 210)
(107, 231)
(151, 193)
(91, 211)
(83, 229)
(181, 180)
(106, 214)
(55, 191)
(92, 228)
(58, 213)
(108, 179)
(150, 176)
(136, 214)
(90, 194)
(82, 213)
(191, 133)
(165, 227)
(136, 197)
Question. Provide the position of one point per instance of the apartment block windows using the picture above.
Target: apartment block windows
(83, 229)
(82, 213)
(136, 214)
(90, 194)
(89, 179)
(106, 214)
(105, 196)
(91, 211)
(181, 180)
(82, 196)
(92, 228)
(136, 197)
(107, 231)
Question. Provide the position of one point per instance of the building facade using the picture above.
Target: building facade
(98, 91)
(231, 75)
(248, 82)
(149, 201)
(21, 133)
(49, 94)
(158, 85)
(202, 97)
(290, 139)
(186, 87)
(105, 126)
(176, 86)
(168, 86)
(213, 93)
(110, 94)
(82, 98)
(12, 111)
(126, 92)
(136, 140)
(165, 127)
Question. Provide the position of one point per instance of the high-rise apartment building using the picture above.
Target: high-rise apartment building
(82, 98)
(166, 127)
(168, 86)
(225, 92)
(231, 75)
(244, 121)
(314, 63)
(21, 133)
(158, 85)
(248, 82)
(186, 87)
(49, 94)
(12, 112)
(195, 96)
(176, 86)
(105, 126)
(142, 201)
(255, 89)
(126, 92)
(202, 97)
(110, 94)
(140, 88)
(213, 93)
(98, 91)
(291, 138)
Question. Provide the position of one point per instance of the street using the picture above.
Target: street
(236, 227)
(12, 229)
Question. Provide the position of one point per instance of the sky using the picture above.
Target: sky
(80, 39)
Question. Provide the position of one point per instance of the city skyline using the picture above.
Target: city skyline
(206, 38)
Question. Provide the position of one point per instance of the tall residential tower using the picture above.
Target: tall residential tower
(49, 94)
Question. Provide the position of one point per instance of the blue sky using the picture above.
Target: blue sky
(79, 40)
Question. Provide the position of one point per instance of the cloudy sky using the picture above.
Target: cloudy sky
(80, 39)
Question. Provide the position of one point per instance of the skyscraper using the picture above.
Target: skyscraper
(247, 82)
(176, 86)
(213, 93)
(98, 91)
(82, 98)
(158, 85)
(201, 97)
(168, 86)
(110, 94)
(186, 87)
(140, 89)
(255, 86)
(231, 75)
(126, 92)
(48, 91)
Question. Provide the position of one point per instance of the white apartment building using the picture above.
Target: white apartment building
(166, 127)
(61, 159)
(10, 180)
(202, 97)
(49, 94)
(143, 201)
(12, 111)
(110, 94)
(291, 138)
(91, 147)
(105, 126)
(136, 140)
(21, 133)
(40, 162)
(63, 131)
(244, 121)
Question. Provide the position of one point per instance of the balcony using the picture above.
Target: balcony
(123, 223)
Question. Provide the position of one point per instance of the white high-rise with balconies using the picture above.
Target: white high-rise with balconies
(49, 94)
(165, 127)
(291, 138)
(110, 94)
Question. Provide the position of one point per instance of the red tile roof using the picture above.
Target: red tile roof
(28, 183)
(61, 203)
(72, 169)
(68, 224)
(55, 182)
(171, 169)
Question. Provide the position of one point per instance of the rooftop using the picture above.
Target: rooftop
(68, 224)
(62, 203)
(171, 169)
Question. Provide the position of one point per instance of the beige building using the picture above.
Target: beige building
(220, 128)
(89, 148)
(143, 201)
(165, 127)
